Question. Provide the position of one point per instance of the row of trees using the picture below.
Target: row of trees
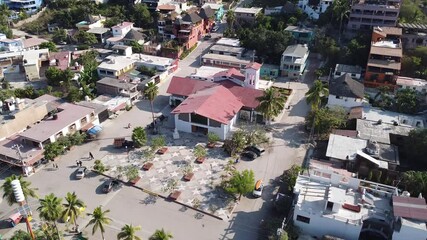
(404, 100)
(52, 209)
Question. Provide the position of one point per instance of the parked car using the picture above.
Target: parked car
(109, 185)
(81, 172)
(258, 150)
(258, 189)
(249, 155)
(207, 37)
(215, 28)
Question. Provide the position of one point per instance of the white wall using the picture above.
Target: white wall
(221, 132)
(407, 232)
(320, 226)
(79, 126)
(345, 102)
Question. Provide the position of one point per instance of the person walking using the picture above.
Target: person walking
(77, 163)
(129, 126)
(91, 155)
(80, 163)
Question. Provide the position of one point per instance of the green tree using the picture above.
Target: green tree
(8, 191)
(136, 47)
(74, 95)
(50, 210)
(49, 45)
(415, 182)
(141, 15)
(161, 235)
(231, 18)
(415, 147)
(327, 119)
(60, 36)
(54, 76)
(150, 92)
(241, 183)
(236, 143)
(407, 101)
(139, 136)
(72, 208)
(271, 103)
(341, 9)
(290, 176)
(86, 38)
(316, 93)
(128, 232)
(99, 219)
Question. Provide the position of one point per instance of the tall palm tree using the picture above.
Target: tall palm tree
(316, 93)
(231, 18)
(72, 208)
(151, 91)
(99, 220)
(50, 210)
(271, 103)
(341, 9)
(8, 191)
(161, 235)
(128, 232)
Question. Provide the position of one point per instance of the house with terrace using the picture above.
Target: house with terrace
(202, 106)
(294, 60)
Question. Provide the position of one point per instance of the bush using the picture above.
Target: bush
(187, 52)
(200, 151)
(212, 137)
(99, 166)
(157, 142)
(290, 176)
(131, 172)
(139, 137)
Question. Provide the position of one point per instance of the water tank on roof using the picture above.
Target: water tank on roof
(406, 194)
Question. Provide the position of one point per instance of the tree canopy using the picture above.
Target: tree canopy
(241, 182)
(327, 119)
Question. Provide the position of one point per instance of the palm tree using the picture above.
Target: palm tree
(161, 235)
(99, 220)
(50, 209)
(271, 103)
(231, 18)
(8, 191)
(151, 91)
(341, 9)
(316, 93)
(72, 208)
(128, 232)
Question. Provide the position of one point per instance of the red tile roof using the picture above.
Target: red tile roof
(232, 72)
(254, 65)
(187, 86)
(409, 207)
(216, 103)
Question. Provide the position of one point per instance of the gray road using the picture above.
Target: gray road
(127, 205)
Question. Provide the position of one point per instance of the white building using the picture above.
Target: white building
(204, 106)
(233, 42)
(115, 65)
(329, 203)
(10, 45)
(206, 73)
(121, 29)
(314, 12)
(346, 92)
(417, 84)
(294, 60)
(354, 71)
(248, 15)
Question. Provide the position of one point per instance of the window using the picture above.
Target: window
(184, 117)
(83, 121)
(303, 219)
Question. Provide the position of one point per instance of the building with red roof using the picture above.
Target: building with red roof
(203, 106)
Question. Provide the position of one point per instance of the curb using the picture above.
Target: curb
(162, 196)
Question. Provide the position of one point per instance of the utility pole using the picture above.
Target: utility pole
(17, 148)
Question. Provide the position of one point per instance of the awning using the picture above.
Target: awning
(87, 127)
(94, 130)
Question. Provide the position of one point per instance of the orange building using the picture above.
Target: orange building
(385, 57)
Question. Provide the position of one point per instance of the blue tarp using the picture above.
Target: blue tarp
(94, 130)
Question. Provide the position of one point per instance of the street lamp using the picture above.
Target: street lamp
(23, 209)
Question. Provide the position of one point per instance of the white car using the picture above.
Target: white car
(215, 28)
(80, 173)
(258, 189)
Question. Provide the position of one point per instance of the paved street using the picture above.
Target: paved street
(129, 205)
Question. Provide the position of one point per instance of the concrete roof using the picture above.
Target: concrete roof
(253, 10)
(44, 130)
(297, 50)
(113, 82)
(98, 108)
(389, 117)
(384, 64)
(234, 42)
(116, 62)
(32, 42)
(123, 25)
(227, 58)
(206, 71)
(98, 30)
(341, 147)
(298, 29)
(379, 132)
(228, 49)
(348, 68)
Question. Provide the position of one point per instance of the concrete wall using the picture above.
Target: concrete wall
(345, 102)
(320, 226)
